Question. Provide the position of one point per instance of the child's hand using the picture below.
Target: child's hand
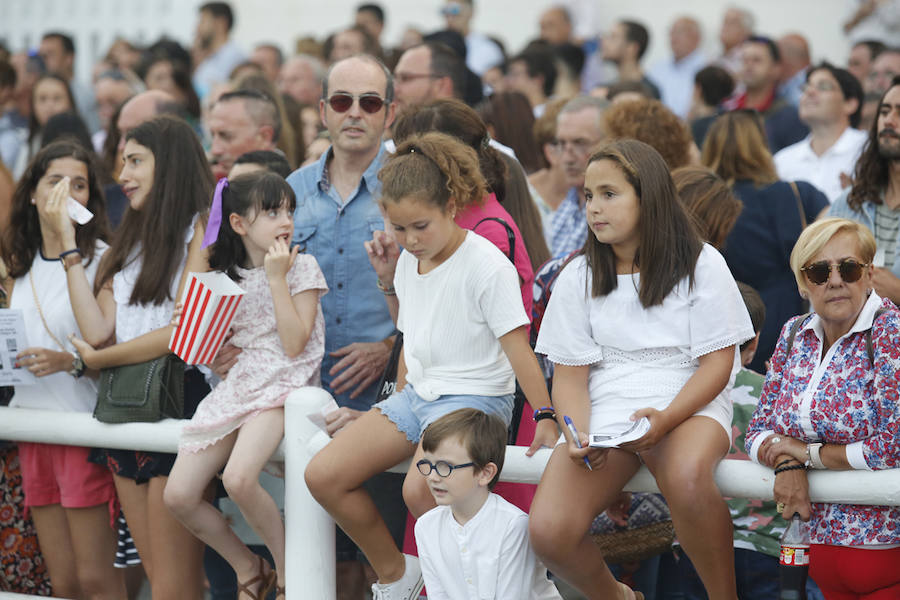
(659, 427)
(56, 212)
(176, 315)
(545, 436)
(383, 253)
(596, 456)
(87, 352)
(279, 259)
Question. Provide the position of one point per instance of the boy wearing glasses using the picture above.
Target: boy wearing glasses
(474, 544)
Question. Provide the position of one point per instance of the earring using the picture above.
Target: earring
(33, 201)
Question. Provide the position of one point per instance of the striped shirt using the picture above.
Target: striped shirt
(887, 222)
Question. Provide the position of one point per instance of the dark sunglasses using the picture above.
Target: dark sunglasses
(341, 102)
(819, 272)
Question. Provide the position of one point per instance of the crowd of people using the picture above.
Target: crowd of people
(466, 248)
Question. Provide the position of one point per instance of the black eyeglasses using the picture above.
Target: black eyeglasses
(442, 467)
(819, 272)
(341, 102)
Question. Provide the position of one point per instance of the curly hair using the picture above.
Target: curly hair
(434, 167)
(649, 121)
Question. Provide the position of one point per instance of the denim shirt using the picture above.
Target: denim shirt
(866, 216)
(334, 231)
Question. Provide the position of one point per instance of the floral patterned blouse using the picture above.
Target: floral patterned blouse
(842, 399)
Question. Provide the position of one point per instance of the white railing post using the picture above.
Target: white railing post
(309, 530)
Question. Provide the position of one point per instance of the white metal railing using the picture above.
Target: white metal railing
(309, 529)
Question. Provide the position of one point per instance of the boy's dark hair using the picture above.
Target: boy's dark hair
(638, 34)
(851, 88)
(482, 435)
(715, 83)
(375, 10)
(219, 10)
(247, 195)
(755, 306)
(539, 61)
(770, 45)
(66, 40)
(269, 159)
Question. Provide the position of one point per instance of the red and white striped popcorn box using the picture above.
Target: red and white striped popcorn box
(208, 306)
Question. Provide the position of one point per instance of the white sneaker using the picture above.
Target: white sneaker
(405, 588)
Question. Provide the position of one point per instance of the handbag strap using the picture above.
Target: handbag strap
(37, 303)
(802, 212)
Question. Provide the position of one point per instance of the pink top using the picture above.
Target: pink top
(497, 235)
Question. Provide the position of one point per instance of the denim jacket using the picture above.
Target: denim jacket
(866, 216)
(333, 231)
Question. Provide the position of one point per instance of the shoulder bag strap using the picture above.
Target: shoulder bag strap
(510, 234)
(802, 212)
(37, 303)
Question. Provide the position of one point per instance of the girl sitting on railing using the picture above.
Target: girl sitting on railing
(280, 329)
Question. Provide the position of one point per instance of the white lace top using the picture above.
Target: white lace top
(134, 320)
(642, 357)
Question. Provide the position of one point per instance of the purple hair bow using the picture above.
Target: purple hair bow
(215, 215)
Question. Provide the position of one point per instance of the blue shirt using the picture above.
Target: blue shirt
(568, 225)
(333, 231)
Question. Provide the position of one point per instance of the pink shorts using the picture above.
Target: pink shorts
(54, 474)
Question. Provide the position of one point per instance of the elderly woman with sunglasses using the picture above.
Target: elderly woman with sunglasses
(830, 401)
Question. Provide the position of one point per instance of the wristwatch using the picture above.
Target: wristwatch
(814, 459)
(78, 367)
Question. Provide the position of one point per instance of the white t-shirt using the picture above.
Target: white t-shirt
(134, 320)
(798, 162)
(489, 557)
(59, 391)
(452, 317)
(642, 357)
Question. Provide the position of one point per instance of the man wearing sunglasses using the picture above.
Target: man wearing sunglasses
(874, 198)
(336, 212)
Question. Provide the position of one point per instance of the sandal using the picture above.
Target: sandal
(629, 594)
(263, 581)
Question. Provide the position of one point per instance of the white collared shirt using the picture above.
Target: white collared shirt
(489, 557)
(799, 162)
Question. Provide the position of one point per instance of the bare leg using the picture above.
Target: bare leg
(179, 573)
(335, 477)
(683, 463)
(94, 549)
(133, 498)
(560, 537)
(257, 439)
(184, 497)
(56, 546)
(415, 490)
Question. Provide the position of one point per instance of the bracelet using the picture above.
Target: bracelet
(790, 468)
(544, 412)
(786, 461)
(72, 251)
(813, 451)
(386, 290)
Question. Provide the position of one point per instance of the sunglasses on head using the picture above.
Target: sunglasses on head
(341, 102)
(819, 272)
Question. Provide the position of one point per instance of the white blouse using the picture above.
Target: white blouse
(59, 391)
(134, 320)
(642, 357)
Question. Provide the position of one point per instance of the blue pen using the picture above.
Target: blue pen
(574, 433)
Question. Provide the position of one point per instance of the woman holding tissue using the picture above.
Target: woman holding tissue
(72, 502)
(644, 324)
(168, 184)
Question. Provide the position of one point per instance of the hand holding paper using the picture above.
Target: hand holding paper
(616, 434)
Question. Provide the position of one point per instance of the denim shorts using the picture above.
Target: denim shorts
(411, 414)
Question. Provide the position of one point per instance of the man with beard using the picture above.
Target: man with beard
(214, 52)
(874, 199)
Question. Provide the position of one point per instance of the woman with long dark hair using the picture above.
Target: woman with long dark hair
(72, 501)
(169, 185)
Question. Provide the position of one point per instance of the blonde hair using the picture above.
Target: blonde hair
(736, 149)
(816, 236)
